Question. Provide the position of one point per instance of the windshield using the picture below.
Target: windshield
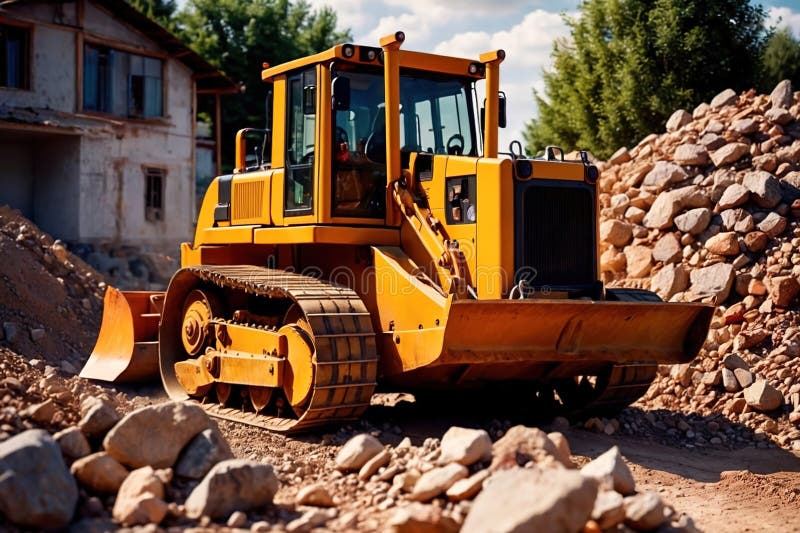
(435, 114)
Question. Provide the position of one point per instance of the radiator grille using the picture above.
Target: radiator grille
(559, 235)
(247, 201)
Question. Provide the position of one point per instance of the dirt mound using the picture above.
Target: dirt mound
(51, 300)
(708, 211)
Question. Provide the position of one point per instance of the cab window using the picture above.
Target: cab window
(301, 124)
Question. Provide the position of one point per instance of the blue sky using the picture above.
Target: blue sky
(525, 29)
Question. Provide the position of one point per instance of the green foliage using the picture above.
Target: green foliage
(239, 36)
(781, 60)
(628, 64)
(158, 10)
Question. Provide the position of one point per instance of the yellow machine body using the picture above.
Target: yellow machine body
(361, 248)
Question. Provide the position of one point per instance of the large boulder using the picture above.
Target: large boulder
(465, 446)
(36, 488)
(532, 499)
(232, 485)
(156, 434)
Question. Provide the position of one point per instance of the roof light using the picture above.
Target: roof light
(348, 50)
(371, 55)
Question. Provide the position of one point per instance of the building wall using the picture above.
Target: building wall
(98, 196)
(17, 163)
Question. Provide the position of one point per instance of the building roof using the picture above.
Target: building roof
(210, 79)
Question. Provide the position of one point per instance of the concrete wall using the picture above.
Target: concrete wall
(56, 171)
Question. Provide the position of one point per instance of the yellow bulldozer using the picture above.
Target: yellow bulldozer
(375, 236)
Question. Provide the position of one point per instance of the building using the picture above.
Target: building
(97, 122)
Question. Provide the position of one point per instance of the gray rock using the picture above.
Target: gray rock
(745, 126)
(729, 381)
(734, 196)
(726, 97)
(779, 115)
(762, 396)
(669, 203)
(773, 225)
(730, 153)
(765, 188)
(205, 450)
(733, 361)
(782, 95)
(667, 249)
(527, 499)
(36, 489)
(73, 443)
(694, 155)
(645, 512)
(744, 377)
(678, 119)
(694, 221)
(663, 174)
(465, 446)
(612, 465)
(357, 451)
(98, 419)
(168, 427)
(221, 491)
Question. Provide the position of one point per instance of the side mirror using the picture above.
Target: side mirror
(341, 93)
(501, 110)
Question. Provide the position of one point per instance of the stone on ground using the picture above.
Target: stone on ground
(232, 485)
(205, 450)
(357, 451)
(99, 472)
(140, 499)
(611, 465)
(436, 481)
(465, 446)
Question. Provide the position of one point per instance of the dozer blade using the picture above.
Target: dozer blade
(127, 346)
(502, 331)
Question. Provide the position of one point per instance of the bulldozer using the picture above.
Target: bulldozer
(375, 236)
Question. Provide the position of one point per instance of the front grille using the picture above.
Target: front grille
(558, 234)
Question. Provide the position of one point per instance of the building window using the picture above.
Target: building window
(121, 83)
(154, 194)
(14, 57)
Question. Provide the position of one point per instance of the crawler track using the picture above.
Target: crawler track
(345, 356)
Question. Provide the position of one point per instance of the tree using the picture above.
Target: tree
(781, 60)
(158, 10)
(628, 64)
(239, 36)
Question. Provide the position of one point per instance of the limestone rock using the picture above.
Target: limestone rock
(465, 446)
(221, 491)
(421, 518)
(669, 281)
(168, 427)
(663, 174)
(734, 196)
(667, 249)
(434, 482)
(357, 451)
(645, 512)
(527, 499)
(694, 155)
(763, 396)
(73, 443)
(205, 450)
(98, 419)
(782, 95)
(465, 489)
(522, 444)
(725, 243)
(36, 489)
(694, 221)
(99, 472)
(773, 225)
(726, 97)
(616, 232)
(713, 281)
(141, 498)
(678, 119)
(639, 260)
(316, 495)
(765, 188)
(730, 153)
(611, 464)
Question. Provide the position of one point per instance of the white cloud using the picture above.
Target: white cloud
(785, 16)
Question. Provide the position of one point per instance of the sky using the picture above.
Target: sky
(525, 29)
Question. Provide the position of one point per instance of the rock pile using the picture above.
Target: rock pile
(708, 212)
(51, 300)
